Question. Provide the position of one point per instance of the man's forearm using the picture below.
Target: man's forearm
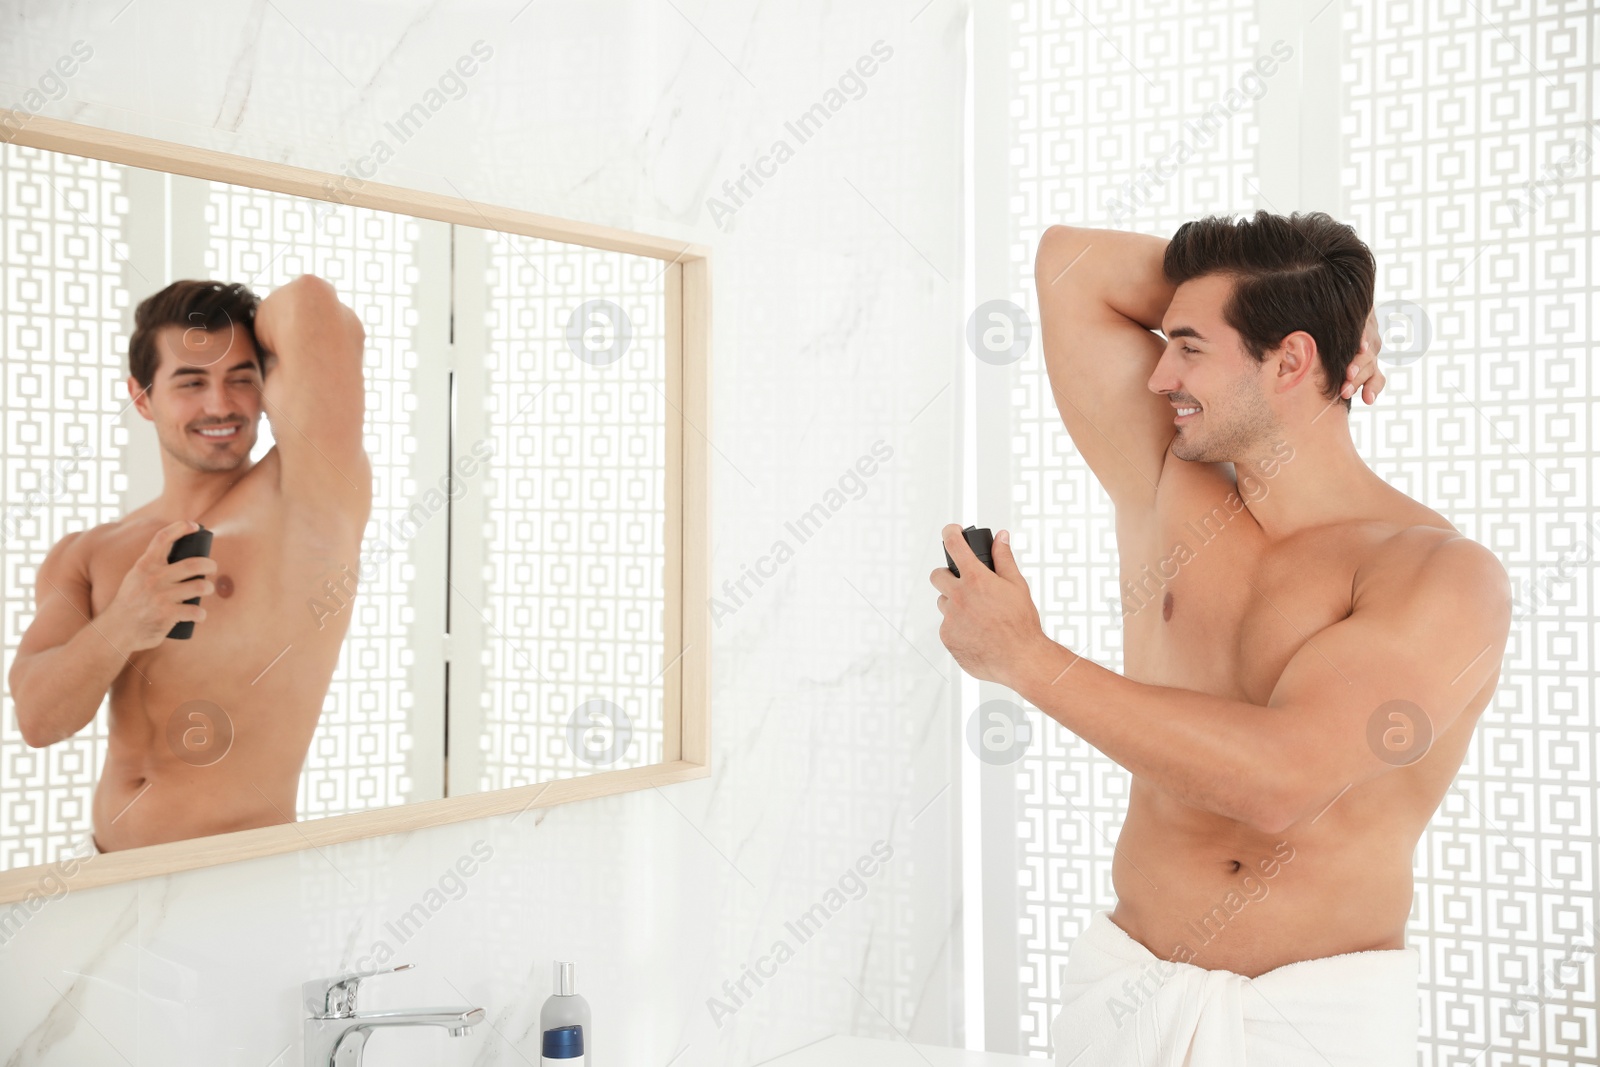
(1122, 270)
(1210, 752)
(58, 691)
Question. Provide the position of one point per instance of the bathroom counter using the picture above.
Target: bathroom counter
(839, 1051)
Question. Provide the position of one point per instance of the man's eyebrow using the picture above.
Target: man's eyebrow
(1184, 331)
(248, 364)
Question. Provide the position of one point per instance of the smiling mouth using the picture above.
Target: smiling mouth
(219, 433)
(1183, 414)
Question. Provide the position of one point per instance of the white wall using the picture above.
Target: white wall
(836, 321)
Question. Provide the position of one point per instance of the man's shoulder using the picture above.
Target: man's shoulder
(120, 539)
(1432, 559)
(69, 559)
(137, 525)
(97, 538)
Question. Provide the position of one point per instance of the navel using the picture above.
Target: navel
(224, 586)
(1235, 866)
(1166, 607)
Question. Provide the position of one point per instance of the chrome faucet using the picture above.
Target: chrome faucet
(336, 1033)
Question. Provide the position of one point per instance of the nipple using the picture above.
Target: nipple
(224, 586)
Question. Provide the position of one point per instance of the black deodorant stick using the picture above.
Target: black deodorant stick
(981, 541)
(190, 544)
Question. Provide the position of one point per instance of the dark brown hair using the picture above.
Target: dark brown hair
(1295, 272)
(209, 305)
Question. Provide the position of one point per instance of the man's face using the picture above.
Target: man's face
(1206, 365)
(205, 399)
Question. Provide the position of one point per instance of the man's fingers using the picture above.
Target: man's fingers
(168, 534)
(1005, 564)
(1363, 375)
(960, 551)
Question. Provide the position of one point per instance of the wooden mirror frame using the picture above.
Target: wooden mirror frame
(686, 733)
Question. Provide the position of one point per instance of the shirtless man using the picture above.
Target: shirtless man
(208, 735)
(1307, 649)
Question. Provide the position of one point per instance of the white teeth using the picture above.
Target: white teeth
(222, 432)
(1187, 411)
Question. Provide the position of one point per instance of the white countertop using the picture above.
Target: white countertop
(865, 1052)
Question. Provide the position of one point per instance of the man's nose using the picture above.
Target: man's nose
(216, 400)
(1161, 380)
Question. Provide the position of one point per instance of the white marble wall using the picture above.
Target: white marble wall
(837, 324)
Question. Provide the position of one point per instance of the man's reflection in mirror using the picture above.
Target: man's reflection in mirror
(208, 735)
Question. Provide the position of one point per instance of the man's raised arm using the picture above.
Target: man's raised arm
(315, 390)
(1101, 293)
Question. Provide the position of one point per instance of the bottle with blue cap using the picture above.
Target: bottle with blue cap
(563, 1047)
(566, 1010)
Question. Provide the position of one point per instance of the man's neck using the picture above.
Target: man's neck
(187, 493)
(1323, 481)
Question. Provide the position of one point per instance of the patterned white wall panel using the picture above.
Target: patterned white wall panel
(1469, 169)
(61, 389)
(576, 505)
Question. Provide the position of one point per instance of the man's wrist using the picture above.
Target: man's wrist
(112, 631)
(1042, 661)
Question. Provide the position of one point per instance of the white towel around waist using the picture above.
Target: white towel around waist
(1124, 1005)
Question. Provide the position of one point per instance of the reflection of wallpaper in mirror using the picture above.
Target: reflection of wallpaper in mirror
(61, 443)
(360, 753)
(576, 512)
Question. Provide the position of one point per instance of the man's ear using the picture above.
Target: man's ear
(141, 397)
(1297, 357)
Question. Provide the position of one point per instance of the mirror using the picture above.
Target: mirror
(479, 591)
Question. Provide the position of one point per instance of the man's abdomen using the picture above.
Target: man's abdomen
(176, 802)
(1206, 890)
(203, 749)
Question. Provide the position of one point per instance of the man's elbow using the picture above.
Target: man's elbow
(313, 287)
(35, 733)
(1270, 803)
(336, 324)
(1272, 821)
(358, 331)
(34, 730)
(1278, 808)
(1069, 281)
(1059, 245)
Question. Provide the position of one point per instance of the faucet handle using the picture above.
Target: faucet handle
(334, 998)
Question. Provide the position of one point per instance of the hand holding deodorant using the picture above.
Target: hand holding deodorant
(564, 1023)
(197, 543)
(981, 540)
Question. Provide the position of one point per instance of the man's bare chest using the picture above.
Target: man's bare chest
(1211, 604)
(272, 589)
